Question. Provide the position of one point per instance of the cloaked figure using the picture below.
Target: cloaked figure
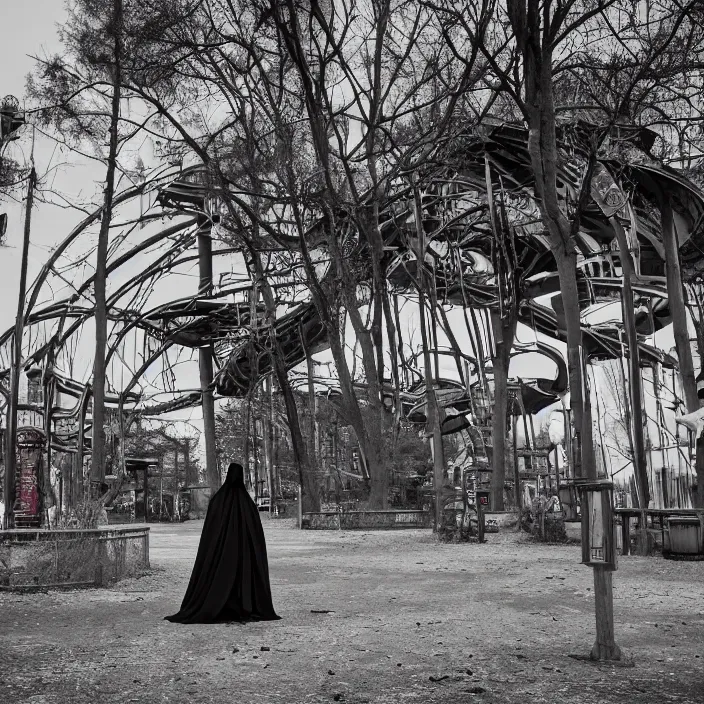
(230, 578)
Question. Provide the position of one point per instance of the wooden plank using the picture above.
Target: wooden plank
(625, 534)
(605, 647)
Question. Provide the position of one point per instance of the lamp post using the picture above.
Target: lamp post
(599, 552)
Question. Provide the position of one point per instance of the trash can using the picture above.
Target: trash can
(684, 539)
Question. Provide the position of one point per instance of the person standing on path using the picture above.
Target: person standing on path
(230, 578)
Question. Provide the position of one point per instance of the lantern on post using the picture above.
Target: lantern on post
(598, 544)
(599, 552)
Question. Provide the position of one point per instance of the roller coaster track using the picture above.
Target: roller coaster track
(459, 256)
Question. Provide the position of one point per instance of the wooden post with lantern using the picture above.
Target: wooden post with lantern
(599, 552)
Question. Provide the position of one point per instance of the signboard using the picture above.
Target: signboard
(606, 193)
(598, 544)
(483, 498)
(30, 449)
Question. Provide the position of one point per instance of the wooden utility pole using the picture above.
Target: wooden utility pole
(11, 436)
(605, 647)
(205, 362)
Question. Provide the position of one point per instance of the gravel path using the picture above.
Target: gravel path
(410, 620)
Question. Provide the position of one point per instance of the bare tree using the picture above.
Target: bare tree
(598, 61)
(323, 110)
(81, 95)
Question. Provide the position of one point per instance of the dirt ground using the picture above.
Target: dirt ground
(379, 617)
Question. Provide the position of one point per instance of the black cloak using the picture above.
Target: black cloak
(230, 578)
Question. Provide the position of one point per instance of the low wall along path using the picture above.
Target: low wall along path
(71, 558)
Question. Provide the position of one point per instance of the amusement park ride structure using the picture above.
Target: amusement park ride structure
(486, 266)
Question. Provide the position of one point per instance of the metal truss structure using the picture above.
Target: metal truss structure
(466, 261)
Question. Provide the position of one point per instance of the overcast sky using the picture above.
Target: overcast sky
(29, 28)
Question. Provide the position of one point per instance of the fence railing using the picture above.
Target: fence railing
(366, 520)
(71, 558)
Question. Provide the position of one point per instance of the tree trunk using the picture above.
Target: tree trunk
(313, 479)
(373, 455)
(499, 420)
(312, 412)
(542, 148)
(678, 309)
(205, 363)
(9, 488)
(503, 323)
(269, 443)
(370, 447)
(634, 371)
(378, 470)
(101, 313)
(583, 442)
(433, 420)
(255, 452)
(306, 477)
(535, 28)
(311, 500)
(369, 434)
